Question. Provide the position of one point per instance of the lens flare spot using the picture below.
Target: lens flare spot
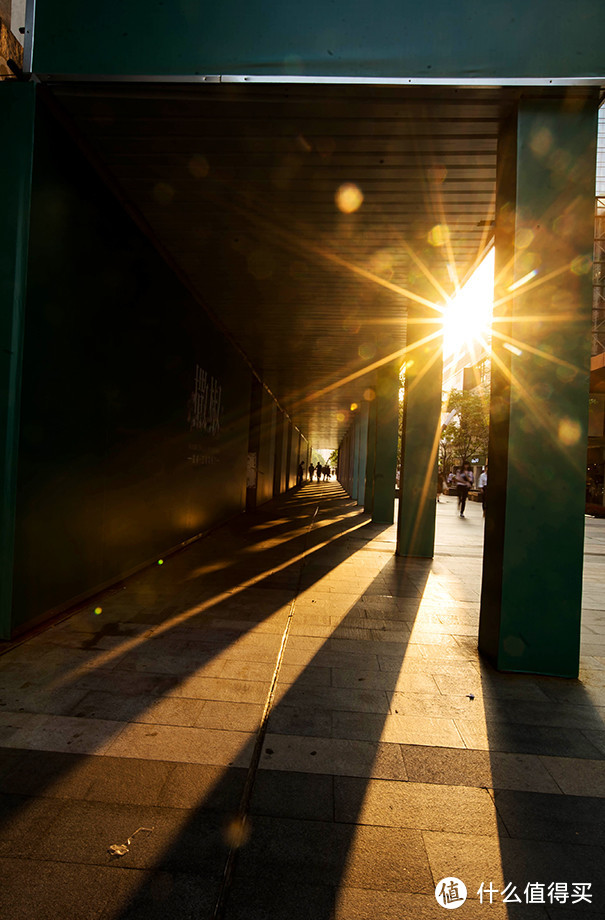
(349, 198)
(524, 238)
(439, 235)
(340, 416)
(163, 193)
(369, 394)
(303, 143)
(381, 263)
(570, 431)
(366, 351)
(581, 265)
(237, 833)
(514, 646)
(98, 611)
(160, 562)
(199, 166)
(512, 348)
(565, 374)
(354, 407)
(541, 142)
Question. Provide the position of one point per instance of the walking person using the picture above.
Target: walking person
(483, 487)
(311, 471)
(440, 483)
(464, 481)
(319, 469)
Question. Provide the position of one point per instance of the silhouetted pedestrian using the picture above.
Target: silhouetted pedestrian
(311, 471)
(483, 487)
(319, 469)
(464, 481)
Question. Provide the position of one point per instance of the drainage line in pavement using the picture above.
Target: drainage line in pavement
(241, 820)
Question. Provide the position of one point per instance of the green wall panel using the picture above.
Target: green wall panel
(395, 38)
(17, 121)
(118, 459)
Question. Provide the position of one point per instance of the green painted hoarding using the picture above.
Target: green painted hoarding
(344, 38)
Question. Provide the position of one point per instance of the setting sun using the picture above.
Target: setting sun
(467, 317)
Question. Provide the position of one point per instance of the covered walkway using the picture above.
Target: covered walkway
(300, 725)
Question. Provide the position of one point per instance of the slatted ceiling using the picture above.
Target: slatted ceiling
(255, 230)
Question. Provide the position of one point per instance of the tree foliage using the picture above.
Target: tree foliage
(466, 435)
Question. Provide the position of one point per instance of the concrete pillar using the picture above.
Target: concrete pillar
(533, 554)
(279, 454)
(368, 498)
(355, 435)
(387, 432)
(254, 443)
(362, 452)
(17, 109)
(288, 455)
(420, 433)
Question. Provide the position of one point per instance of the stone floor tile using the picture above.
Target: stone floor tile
(282, 794)
(488, 769)
(597, 740)
(300, 720)
(415, 805)
(24, 820)
(476, 859)
(121, 780)
(52, 774)
(335, 698)
(303, 676)
(574, 820)
(211, 688)
(229, 716)
(363, 903)
(337, 756)
(291, 899)
(527, 739)
(192, 785)
(384, 680)
(44, 890)
(391, 858)
(186, 745)
(63, 733)
(520, 689)
(577, 777)
(396, 729)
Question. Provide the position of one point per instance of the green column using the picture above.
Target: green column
(533, 554)
(362, 452)
(17, 103)
(387, 431)
(355, 445)
(421, 429)
(368, 499)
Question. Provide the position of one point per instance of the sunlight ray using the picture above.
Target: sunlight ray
(400, 353)
(545, 420)
(519, 343)
(112, 655)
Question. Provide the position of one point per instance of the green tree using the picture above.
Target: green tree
(466, 434)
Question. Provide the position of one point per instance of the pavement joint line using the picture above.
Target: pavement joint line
(244, 806)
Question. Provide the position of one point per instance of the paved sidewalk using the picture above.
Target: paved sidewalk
(302, 721)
